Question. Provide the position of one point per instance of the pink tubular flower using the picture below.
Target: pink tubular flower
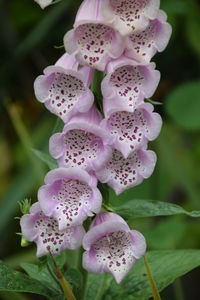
(83, 143)
(126, 85)
(69, 195)
(92, 40)
(44, 3)
(143, 46)
(111, 246)
(64, 89)
(129, 16)
(130, 131)
(44, 231)
(123, 173)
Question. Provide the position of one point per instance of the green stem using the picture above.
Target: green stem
(63, 282)
(101, 289)
(178, 290)
(155, 292)
(82, 291)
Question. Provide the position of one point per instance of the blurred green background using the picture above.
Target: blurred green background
(28, 38)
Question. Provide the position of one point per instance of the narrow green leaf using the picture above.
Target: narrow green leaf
(148, 208)
(166, 266)
(46, 158)
(14, 281)
(153, 102)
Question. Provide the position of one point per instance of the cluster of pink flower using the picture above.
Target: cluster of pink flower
(118, 37)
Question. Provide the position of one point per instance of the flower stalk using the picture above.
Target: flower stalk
(155, 292)
(63, 282)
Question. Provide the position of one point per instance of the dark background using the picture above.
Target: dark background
(28, 36)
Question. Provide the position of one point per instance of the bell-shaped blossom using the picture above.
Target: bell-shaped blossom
(64, 89)
(111, 246)
(126, 85)
(44, 3)
(92, 40)
(130, 16)
(143, 46)
(44, 231)
(69, 195)
(131, 131)
(123, 173)
(83, 143)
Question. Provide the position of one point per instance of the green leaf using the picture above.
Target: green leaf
(41, 274)
(148, 208)
(74, 277)
(166, 266)
(46, 158)
(14, 281)
(183, 105)
(44, 274)
(168, 233)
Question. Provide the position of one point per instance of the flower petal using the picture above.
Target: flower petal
(44, 3)
(131, 131)
(129, 16)
(122, 174)
(68, 197)
(143, 46)
(95, 44)
(45, 233)
(63, 89)
(127, 84)
(112, 253)
(139, 244)
(111, 246)
(82, 144)
(105, 228)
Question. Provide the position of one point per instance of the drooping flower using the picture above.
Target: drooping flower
(111, 246)
(130, 16)
(123, 173)
(44, 231)
(44, 3)
(143, 46)
(126, 85)
(131, 131)
(92, 40)
(64, 89)
(83, 143)
(69, 195)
